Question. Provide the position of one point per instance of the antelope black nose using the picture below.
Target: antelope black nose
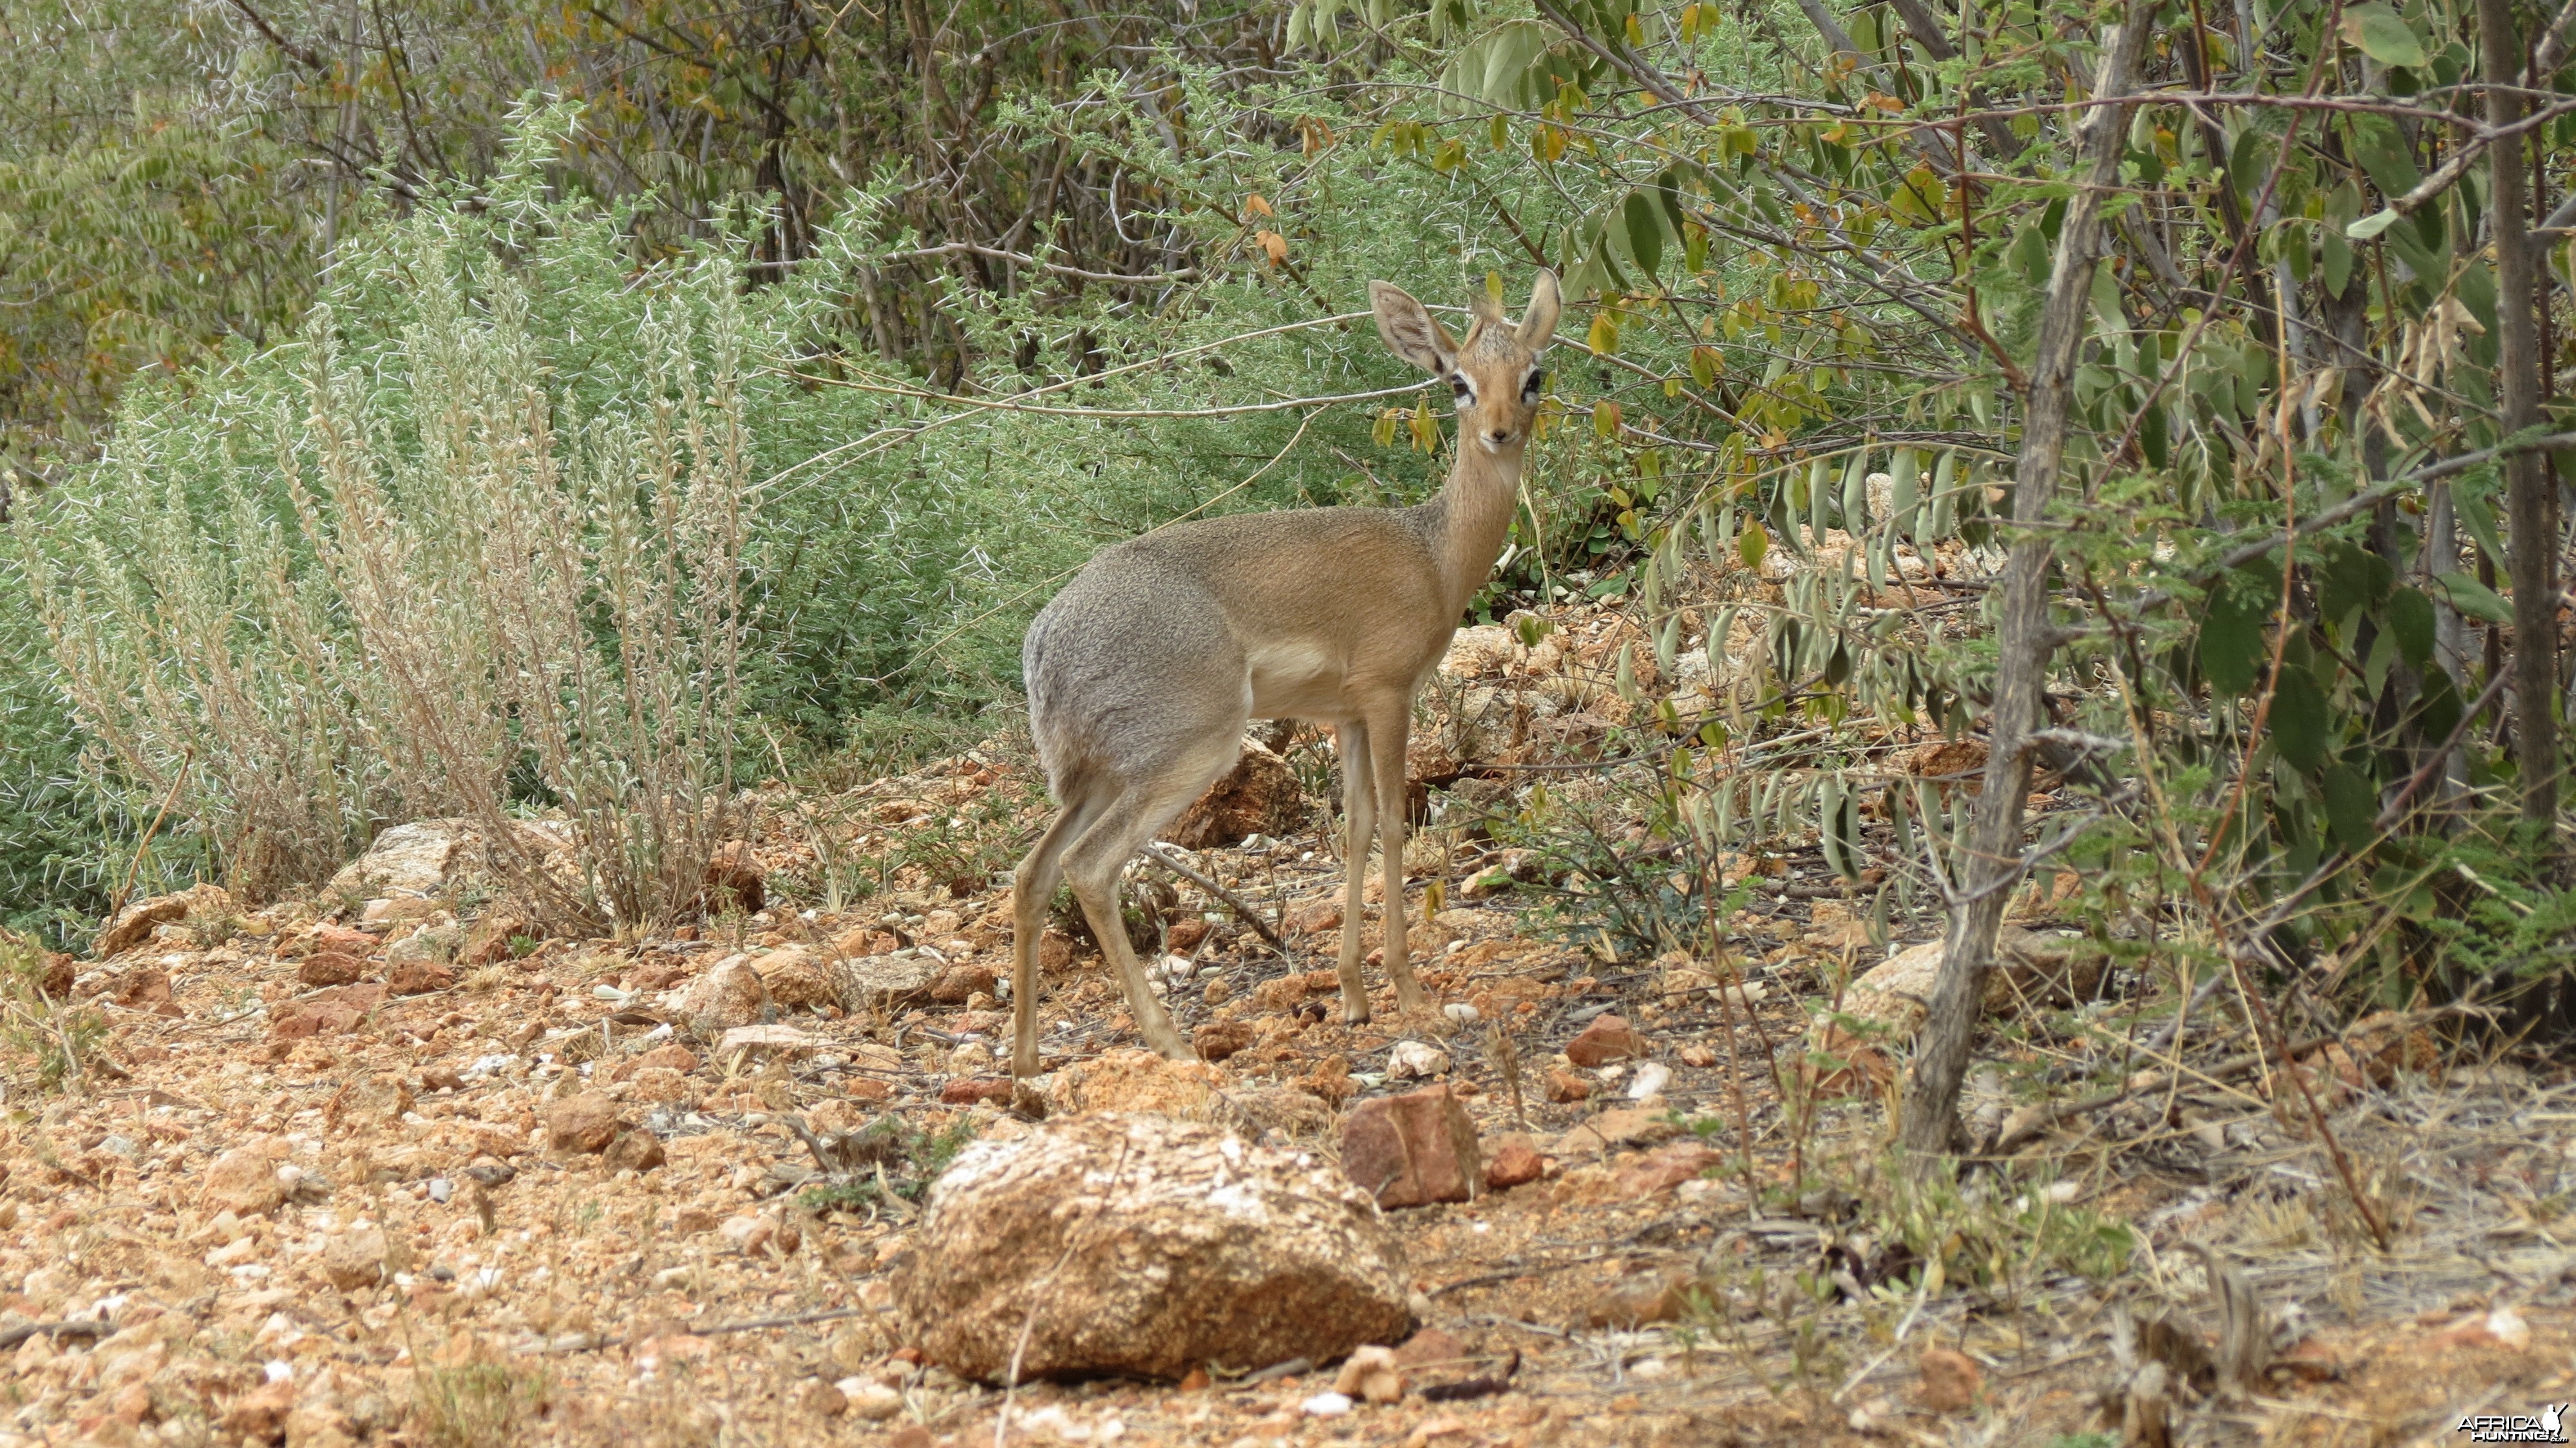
(1500, 435)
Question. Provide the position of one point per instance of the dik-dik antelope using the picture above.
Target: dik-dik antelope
(1143, 672)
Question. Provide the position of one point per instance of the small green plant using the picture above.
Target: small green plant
(1997, 1234)
(887, 1158)
(478, 1404)
(38, 1029)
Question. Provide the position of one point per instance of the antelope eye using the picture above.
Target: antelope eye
(1531, 389)
(1465, 390)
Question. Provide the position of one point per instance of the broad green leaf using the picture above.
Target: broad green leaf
(2300, 722)
(2231, 641)
(2473, 503)
(1750, 545)
(2410, 617)
(2438, 706)
(2351, 804)
(2379, 32)
(2474, 598)
(2338, 260)
(1645, 232)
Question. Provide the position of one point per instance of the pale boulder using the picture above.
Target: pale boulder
(1142, 1246)
(730, 994)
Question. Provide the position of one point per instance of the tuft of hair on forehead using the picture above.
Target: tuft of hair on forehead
(1488, 338)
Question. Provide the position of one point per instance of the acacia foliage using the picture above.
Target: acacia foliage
(2300, 649)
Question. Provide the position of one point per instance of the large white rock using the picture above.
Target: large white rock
(1142, 1246)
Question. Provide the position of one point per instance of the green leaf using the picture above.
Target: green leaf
(2385, 152)
(2351, 804)
(2473, 501)
(2438, 706)
(2231, 642)
(1752, 543)
(2300, 721)
(2410, 617)
(1645, 232)
(2381, 33)
(2338, 259)
(2474, 598)
(2352, 578)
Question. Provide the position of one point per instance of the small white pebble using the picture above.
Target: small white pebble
(1652, 1078)
(1461, 1012)
(1326, 1405)
(279, 1370)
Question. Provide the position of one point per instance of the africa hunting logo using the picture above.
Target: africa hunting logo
(2548, 1426)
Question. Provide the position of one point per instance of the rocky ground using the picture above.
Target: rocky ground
(385, 1166)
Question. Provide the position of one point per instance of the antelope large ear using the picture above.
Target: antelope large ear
(1538, 323)
(1409, 331)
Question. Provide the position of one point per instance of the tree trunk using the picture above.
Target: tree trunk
(1931, 1108)
(2532, 557)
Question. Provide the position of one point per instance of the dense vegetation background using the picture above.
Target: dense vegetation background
(2241, 327)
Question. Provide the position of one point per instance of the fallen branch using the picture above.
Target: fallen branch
(1170, 859)
(91, 1327)
(755, 1324)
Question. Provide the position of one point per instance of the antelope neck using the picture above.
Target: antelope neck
(1472, 515)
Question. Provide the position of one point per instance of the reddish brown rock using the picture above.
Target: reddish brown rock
(1625, 1126)
(1950, 1380)
(259, 1416)
(301, 1020)
(796, 980)
(1315, 917)
(355, 1261)
(1662, 1170)
(1564, 1087)
(584, 1123)
(1194, 1247)
(1414, 1149)
(56, 982)
(670, 1056)
(1607, 1039)
(1185, 935)
(1515, 1162)
(1259, 796)
(328, 967)
(135, 923)
(1431, 1347)
(1635, 1301)
(342, 939)
(969, 1090)
(729, 995)
(961, 983)
(419, 977)
(243, 1181)
(1218, 1040)
(143, 988)
(634, 1150)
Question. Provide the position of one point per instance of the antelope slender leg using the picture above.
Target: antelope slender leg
(1359, 812)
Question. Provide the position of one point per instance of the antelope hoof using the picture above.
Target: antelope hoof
(1355, 1010)
(1024, 1064)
